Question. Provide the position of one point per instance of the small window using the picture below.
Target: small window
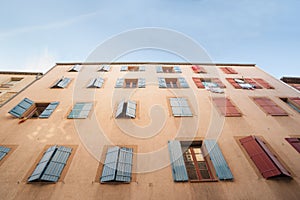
(295, 142)
(211, 84)
(180, 107)
(269, 107)
(175, 69)
(126, 109)
(228, 70)
(265, 161)
(130, 83)
(75, 68)
(11, 82)
(104, 68)
(293, 102)
(3, 152)
(172, 83)
(263, 83)
(62, 83)
(226, 107)
(96, 83)
(80, 110)
(118, 165)
(198, 69)
(29, 109)
(132, 68)
(248, 83)
(51, 165)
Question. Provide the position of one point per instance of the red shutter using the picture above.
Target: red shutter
(260, 158)
(233, 83)
(198, 82)
(218, 81)
(270, 107)
(228, 70)
(226, 107)
(295, 142)
(263, 83)
(197, 69)
(252, 82)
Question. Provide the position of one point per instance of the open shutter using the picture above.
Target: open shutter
(63, 83)
(3, 152)
(252, 82)
(233, 83)
(263, 83)
(120, 83)
(219, 82)
(197, 69)
(75, 68)
(162, 83)
(295, 142)
(142, 83)
(295, 101)
(98, 82)
(178, 166)
(110, 164)
(228, 70)
(218, 160)
(120, 109)
(183, 83)
(198, 82)
(124, 68)
(177, 69)
(159, 69)
(124, 166)
(131, 109)
(21, 108)
(49, 110)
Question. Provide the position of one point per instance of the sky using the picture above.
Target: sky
(35, 34)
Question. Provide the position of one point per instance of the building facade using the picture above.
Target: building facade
(151, 131)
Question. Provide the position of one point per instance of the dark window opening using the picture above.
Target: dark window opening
(171, 82)
(131, 83)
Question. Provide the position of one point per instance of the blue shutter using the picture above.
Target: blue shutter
(120, 109)
(183, 83)
(124, 165)
(91, 83)
(159, 69)
(110, 164)
(119, 83)
(178, 166)
(75, 68)
(106, 68)
(142, 68)
(124, 68)
(142, 83)
(21, 108)
(49, 110)
(80, 111)
(177, 69)
(3, 152)
(217, 158)
(62, 83)
(96, 83)
(162, 83)
(131, 109)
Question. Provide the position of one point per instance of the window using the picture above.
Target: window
(198, 69)
(269, 107)
(228, 70)
(62, 83)
(226, 107)
(96, 83)
(293, 102)
(3, 152)
(11, 82)
(295, 142)
(130, 83)
(29, 109)
(248, 83)
(265, 161)
(132, 68)
(75, 68)
(180, 107)
(190, 162)
(172, 83)
(51, 165)
(263, 83)
(175, 69)
(104, 68)
(126, 109)
(211, 84)
(80, 110)
(118, 165)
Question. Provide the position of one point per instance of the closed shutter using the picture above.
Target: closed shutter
(119, 83)
(198, 82)
(183, 83)
(159, 69)
(295, 142)
(124, 166)
(49, 110)
(19, 110)
(178, 166)
(142, 83)
(218, 160)
(162, 83)
(198, 69)
(219, 82)
(233, 83)
(263, 83)
(269, 107)
(228, 70)
(124, 68)
(177, 69)
(226, 107)
(110, 164)
(120, 109)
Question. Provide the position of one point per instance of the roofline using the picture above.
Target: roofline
(162, 63)
(21, 73)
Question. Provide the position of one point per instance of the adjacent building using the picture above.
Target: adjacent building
(151, 131)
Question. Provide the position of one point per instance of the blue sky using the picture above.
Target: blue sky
(35, 34)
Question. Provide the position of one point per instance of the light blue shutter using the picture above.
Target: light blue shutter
(110, 164)
(63, 83)
(120, 109)
(217, 158)
(142, 68)
(183, 83)
(3, 152)
(124, 165)
(131, 109)
(124, 68)
(21, 108)
(119, 83)
(49, 110)
(178, 166)
(96, 83)
(162, 83)
(142, 83)
(75, 68)
(91, 84)
(177, 69)
(159, 69)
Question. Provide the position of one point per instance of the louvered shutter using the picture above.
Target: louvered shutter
(177, 162)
